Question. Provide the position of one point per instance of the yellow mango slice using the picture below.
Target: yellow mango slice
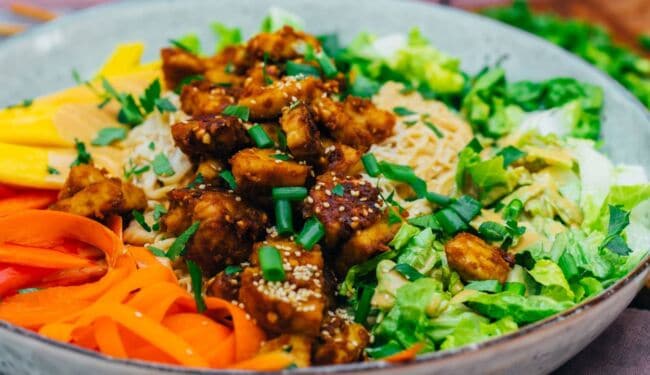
(123, 60)
(31, 166)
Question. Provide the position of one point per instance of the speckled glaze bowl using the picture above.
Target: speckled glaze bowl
(41, 61)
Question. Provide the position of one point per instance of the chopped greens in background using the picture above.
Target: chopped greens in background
(588, 41)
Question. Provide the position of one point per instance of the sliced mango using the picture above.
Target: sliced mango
(123, 60)
(43, 167)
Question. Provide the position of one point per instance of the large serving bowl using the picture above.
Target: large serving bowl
(41, 61)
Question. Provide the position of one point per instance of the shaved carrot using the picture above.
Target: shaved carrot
(32, 11)
(9, 29)
(136, 309)
(13, 277)
(405, 355)
(108, 338)
(277, 360)
(29, 199)
(248, 336)
(39, 257)
(7, 191)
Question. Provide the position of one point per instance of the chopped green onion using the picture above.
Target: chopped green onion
(425, 221)
(283, 157)
(271, 264)
(434, 129)
(338, 190)
(259, 136)
(450, 222)
(492, 231)
(232, 270)
(311, 233)
(515, 287)
(160, 253)
(152, 146)
(178, 246)
(363, 307)
(197, 284)
(510, 155)
(51, 170)
(139, 218)
(329, 69)
(403, 111)
(265, 75)
(291, 193)
(106, 136)
(186, 81)
(229, 178)
(282, 139)
(283, 217)
(27, 290)
(490, 286)
(371, 165)
(239, 111)
(405, 174)
(296, 69)
(162, 166)
(466, 207)
(406, 270)
(439, 199)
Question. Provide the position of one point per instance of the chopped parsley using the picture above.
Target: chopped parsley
(187, 80)
(239, 111)
(23, 104)
(410, 122)
(107, 136)
(52, 171)
(83, 157)
(158, 211)
(161, 166)
(188, 43)
(152, 146)
(134, 170)
(338, 190)
(403, 111)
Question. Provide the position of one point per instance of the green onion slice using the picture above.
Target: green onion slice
(271, 264)
(312, 232)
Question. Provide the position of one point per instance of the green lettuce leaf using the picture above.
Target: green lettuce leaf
(470, 330)
(422, 253)
(553, 282)
(522, 309)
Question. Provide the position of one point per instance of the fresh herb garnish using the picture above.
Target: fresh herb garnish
(158, 211)
(198, 180)
(265, 75)
(83, 157)
(492, 231)
(187, 80)
(434, 128)
(152, 146)
(134, 170)
(23, 104)
(280, 156)
(107, 136)
(403, 111)
(161, 166)
(139, 218)
(326, 64)
(410, 123)
(178, 246)
(282, 139)
(52, 171)
(160, 253)
(197, 284)
(239, 111)
(425, 221)
(338, 190)
(232, 270)
(229, 178)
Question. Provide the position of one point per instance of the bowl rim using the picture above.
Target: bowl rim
(358, 366)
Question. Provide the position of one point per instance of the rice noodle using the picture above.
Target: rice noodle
(432, 158)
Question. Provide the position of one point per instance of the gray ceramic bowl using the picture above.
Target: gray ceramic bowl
(41, 60)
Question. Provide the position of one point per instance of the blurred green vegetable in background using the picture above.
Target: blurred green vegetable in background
(588, 41)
